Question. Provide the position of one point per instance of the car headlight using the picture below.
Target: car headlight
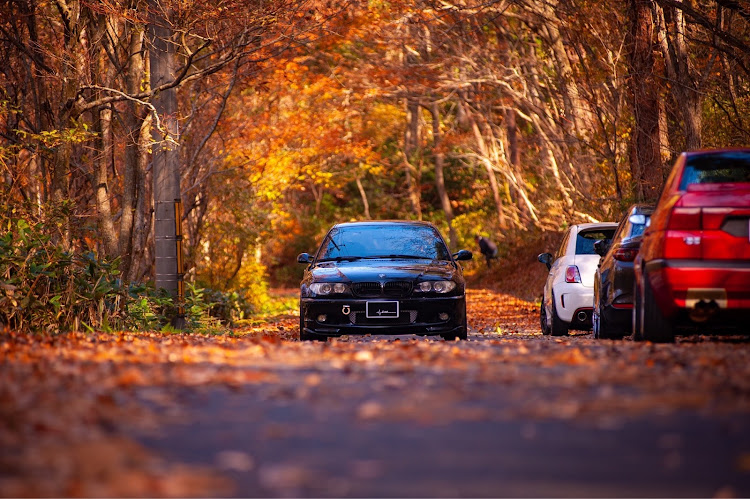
(436, 286)
(329, 288)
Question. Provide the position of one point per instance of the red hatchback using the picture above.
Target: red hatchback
(693, 268)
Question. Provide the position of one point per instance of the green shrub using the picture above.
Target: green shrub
(45, 288)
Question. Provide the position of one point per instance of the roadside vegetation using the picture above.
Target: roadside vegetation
(45, 289)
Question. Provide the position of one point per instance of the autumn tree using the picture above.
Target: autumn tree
(646, 161)
(79, 108)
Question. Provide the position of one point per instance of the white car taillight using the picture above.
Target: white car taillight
(572, 274)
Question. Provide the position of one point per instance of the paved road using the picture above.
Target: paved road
(257, 413)
(362, 430)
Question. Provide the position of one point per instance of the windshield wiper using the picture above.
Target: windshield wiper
(405, 257)
(340, 259)
(373, 257)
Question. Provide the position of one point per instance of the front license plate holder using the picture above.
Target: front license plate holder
(381, 310)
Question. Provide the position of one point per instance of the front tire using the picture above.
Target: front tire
(606, 331)
(461, 335)
(596, 311)
(655, 326)
(304, 336)
(637, 307)
(595, 324)
(559, 326)
(602, 329)
(464, 334)
(543, 319)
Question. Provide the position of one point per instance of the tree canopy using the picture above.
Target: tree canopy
(503, 117)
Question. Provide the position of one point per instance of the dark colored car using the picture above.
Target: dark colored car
(613, 281)
(383, 277)
(693, 268)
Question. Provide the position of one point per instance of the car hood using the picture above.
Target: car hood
(371, 270)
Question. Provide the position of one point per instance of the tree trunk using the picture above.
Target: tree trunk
(166, 177)
(133, 119)
(363, 194)
(693, 121)
(645, 158)
(679, 71)
(104, 28)
(103, 165)
(42, 107)
(568, 87)
(140, 264)
(692, 103)
(318, 195)
(514, 153)
(439, 176)
(72, 64)
(664, 146)
(502, 224)
(514, 160)
(411, 145)
(545, 119)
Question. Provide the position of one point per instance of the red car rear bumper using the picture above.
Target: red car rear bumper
(683, 284)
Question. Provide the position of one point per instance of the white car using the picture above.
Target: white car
(569, 291)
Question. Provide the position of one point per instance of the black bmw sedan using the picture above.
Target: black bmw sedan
(383, 277)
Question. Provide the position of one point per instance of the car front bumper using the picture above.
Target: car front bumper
(347, 315)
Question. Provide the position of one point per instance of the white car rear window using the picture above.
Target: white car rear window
(586, 239)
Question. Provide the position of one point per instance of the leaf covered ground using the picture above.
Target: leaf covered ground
(70, 405)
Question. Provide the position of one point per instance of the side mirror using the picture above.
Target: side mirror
(463, 255)
(304, 258)
(546, 258)
(601, 247)
(638, 219)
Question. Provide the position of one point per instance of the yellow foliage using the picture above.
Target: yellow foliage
(252, 284)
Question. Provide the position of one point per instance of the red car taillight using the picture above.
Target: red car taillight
(572, 274)
(683, 236)
(685, 219)
(625, 254)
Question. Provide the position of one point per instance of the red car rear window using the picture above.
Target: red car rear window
(718, 168)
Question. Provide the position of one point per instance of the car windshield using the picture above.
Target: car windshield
(586, 239)
(387, 241)
(718, 168)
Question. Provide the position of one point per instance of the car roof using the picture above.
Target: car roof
(598, 225)
(717, 151)
(643, 208)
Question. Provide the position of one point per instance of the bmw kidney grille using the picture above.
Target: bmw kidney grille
(374, 289)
